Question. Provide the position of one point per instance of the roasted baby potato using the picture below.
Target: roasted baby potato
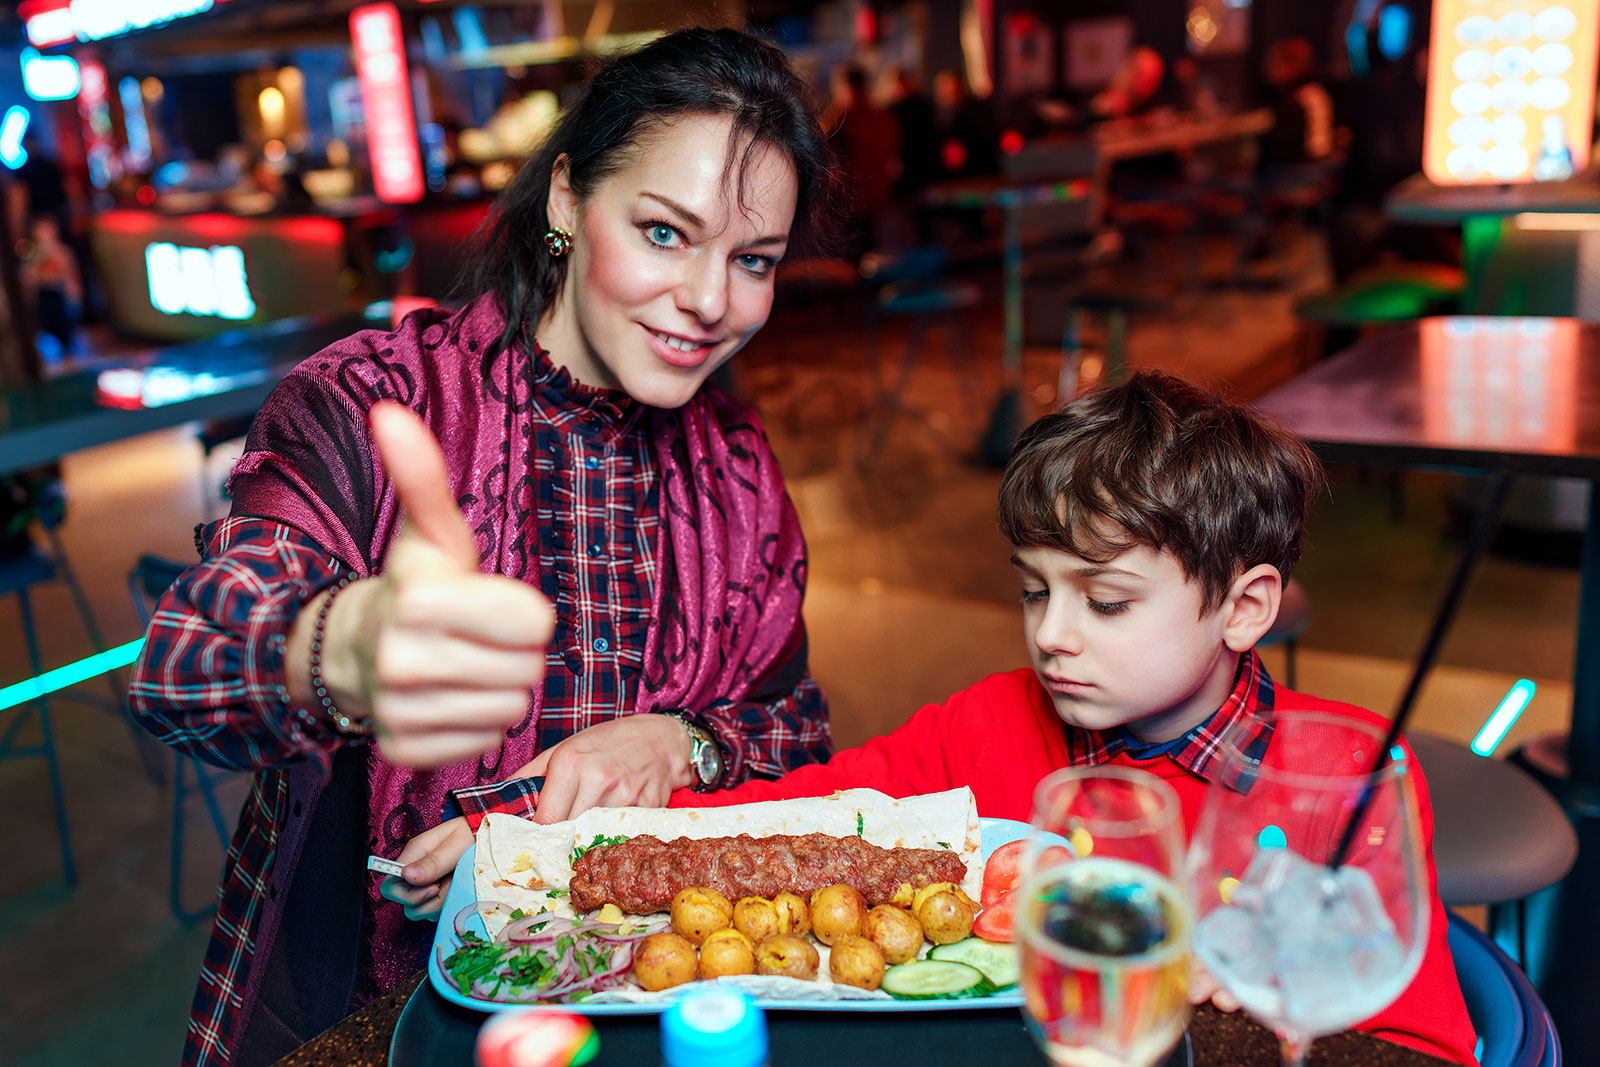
(697, 912)
(946, 916)
(853, 960)
(836, 910)
(788, 955)
(929, 890)
(663, 961)
(727, 951)
(793, 915)
(895, 931)
(756, 918)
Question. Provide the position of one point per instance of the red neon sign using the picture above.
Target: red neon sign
(48, 22)
(386, 102)
(94, 109)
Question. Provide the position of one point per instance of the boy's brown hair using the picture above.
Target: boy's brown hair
(1159, 462)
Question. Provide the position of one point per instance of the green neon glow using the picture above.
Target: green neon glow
(71, 674)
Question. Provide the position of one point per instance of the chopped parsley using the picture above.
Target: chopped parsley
(518, 913)
(555, 893)
(600, 840)
(942, 844)
(861, 825)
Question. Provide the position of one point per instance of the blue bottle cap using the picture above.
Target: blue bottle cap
(713, 1026)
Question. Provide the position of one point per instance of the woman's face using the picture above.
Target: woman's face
(670, 274)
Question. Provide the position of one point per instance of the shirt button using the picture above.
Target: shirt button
(594, 551)
(600, 644)
(592, 463)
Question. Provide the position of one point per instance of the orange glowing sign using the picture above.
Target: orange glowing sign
(1501, 383)
(1510, 90)
(380, 53)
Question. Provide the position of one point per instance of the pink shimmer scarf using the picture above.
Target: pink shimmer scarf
(730, 558)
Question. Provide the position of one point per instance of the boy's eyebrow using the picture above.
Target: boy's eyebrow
(700, 224)
(1100, 569)
(1082, 572)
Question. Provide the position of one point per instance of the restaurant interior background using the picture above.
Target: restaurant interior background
(201, 192)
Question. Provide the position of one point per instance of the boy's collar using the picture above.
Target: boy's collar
(1198, 751)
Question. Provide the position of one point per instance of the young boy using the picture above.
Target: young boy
(1153, 526)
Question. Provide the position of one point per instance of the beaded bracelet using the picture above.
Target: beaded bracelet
(341, 722)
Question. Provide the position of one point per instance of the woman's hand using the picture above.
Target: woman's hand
(430, 859)
(439, 657)
(634, 761)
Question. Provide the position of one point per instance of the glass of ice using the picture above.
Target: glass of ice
(1307, 948)
(1103, 923)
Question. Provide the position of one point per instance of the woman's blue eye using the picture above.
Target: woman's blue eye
(661, 234)
(1034, 596)
(757, 265)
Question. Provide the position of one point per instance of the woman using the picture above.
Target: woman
(552, 445)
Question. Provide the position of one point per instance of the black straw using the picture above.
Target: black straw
(1483, 524)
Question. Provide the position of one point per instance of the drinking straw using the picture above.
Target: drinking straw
(1483, 524)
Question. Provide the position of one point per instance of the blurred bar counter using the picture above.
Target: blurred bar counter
(179, 277)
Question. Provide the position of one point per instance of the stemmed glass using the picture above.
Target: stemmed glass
(1308, 948)
(1103, 924)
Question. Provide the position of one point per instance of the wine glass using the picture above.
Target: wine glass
(1103, 924)
(1309, 948)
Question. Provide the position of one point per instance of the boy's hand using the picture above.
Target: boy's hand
(1203, 987)
(430, 860)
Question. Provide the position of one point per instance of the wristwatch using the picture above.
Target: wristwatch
(705, 755)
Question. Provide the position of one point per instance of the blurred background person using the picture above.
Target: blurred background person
(969, 133)
(1135, 85)
(1302, 109)
(866, 139)
(50, 275)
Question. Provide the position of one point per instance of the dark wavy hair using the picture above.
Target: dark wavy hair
(1159, 462)
(694, 71)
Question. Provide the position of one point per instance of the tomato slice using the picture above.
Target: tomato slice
(1003, 871)
(998, 919)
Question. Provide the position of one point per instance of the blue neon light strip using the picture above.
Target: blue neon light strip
(71, 674)
(1502, 719)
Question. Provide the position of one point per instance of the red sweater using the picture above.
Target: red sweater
(1001, 736)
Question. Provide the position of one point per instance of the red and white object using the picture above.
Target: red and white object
(380, 55)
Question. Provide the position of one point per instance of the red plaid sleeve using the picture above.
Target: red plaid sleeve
(209, 680)
(518, 796)
(767, 740)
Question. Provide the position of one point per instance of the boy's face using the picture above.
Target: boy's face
(1124, 642)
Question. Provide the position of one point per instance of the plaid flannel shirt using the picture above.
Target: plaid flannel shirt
(209, 681)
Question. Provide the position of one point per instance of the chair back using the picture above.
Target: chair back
(151, 577)
(1514, 1027)
(1050, 159)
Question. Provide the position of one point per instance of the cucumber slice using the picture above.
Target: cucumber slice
(935, 980)
(996, 960)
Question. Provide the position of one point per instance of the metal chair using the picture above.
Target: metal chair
(1498, 836)
(914, 285)
(1514, 1027)
(151, 576)
(40, 505)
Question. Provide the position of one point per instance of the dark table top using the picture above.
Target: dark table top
(420, 1027)
(222, 377)
(1418, 200)
(1479, 394)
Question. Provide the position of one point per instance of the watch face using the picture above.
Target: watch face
(707, 760)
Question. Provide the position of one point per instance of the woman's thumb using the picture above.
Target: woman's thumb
(416, 466)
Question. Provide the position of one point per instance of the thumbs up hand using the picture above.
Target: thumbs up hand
(438, 656)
